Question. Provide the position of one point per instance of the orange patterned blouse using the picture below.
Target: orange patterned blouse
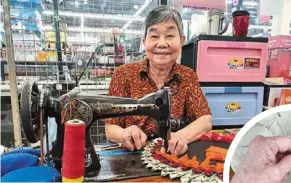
(187, 100)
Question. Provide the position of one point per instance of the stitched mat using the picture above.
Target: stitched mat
(123, 164)
(198, 148)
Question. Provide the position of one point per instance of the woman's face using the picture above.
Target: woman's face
(163, 43)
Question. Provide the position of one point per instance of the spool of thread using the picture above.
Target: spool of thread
(73, 167)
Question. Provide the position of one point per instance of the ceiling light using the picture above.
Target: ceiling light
(97, 16)
(137, 13)
(76, 4)
(93, 30)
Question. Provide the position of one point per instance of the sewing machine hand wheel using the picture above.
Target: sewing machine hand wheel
(30, 111)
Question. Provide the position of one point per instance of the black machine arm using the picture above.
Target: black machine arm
(91, 108)
(79, 105)
(156, 105)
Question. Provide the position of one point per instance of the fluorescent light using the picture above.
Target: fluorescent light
(76, 4)
(260, 26)
(82, 26)
(258, 35)
(96, 16)
(137, 13)
(126, 25)
(245, 3)
(80, 29)
(82, 22)
(94, 30)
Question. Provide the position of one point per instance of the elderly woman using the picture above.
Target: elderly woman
(163, 41)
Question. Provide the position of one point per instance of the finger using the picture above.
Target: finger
(128, 144)
(184, 150)
(163, 150)
(283, 143)
(283, 167)
(143, 138)
(172, 145)
(126, 140)
(179, 147)
(136, 137)
(198, 136)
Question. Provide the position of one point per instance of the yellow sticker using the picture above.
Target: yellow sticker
(235, 64)
(232, 107)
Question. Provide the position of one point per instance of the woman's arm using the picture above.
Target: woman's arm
(197, 110)
(179, 140)
(131, 137)
(114, 133)
(193, 131)
(114, 126)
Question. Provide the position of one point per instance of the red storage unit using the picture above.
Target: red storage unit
(279, 59)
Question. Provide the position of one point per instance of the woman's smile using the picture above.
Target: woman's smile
(163, 56)
(162, 53)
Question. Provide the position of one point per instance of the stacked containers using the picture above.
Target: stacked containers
(231, 71)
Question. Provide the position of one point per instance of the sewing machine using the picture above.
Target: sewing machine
(39, 104)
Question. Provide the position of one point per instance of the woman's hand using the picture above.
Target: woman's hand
(177, 145)
(260, 164)
(133, 138)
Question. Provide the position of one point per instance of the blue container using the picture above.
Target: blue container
(234, 105)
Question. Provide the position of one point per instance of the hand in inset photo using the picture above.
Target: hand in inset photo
(268, 161)
(263, 153)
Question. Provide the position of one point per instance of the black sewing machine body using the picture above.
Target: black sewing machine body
(79, 105)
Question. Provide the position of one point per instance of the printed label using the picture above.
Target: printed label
(287, 42)
(88, 160)
(235, 64)
(252, 63)
(232, 107)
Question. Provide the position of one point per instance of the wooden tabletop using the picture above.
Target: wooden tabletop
(152, 179)
(163, 179)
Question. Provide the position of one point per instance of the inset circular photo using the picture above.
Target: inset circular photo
(261, 151)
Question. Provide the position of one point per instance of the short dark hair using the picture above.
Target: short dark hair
(162, 14)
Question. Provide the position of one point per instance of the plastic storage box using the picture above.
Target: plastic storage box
(226, 58)
(234, 105)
